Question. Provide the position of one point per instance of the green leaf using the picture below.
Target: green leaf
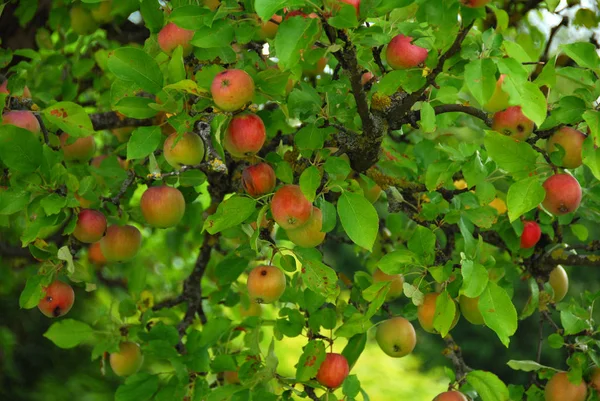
(511, 155)
(344, 18)
(310, 180)
(584, 54)
(498, 311)
(526, 366)
(220, 34)
(13, 200)
(70, 117)
(230, 212)
(266, 8)
(354, 348)
(427, 122)
(488, 386)
(152, 14)
(359, 219)
(68, 333)
(213, 330)
(143, 141)
(190, 17)
(422, 243)
(475, 278)
(398, 261)
(135, 65)
(445, 313)
(316, 275)
(351, 386)
(135, 107)
(53, 204)
(287, 45)
(32, 293)
(590, 155)
(572, 323)
(64, 253)
(20, 149)
(480, 77)
(140, 387)
(523, 196)
(311, 359)
(310, 137)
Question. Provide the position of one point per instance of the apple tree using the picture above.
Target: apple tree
(176, 177)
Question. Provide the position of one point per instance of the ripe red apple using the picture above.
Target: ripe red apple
(499, 99)
(266, 284)
(474, 3)
(559, 388)
(188, 150)
(309, 235)
(121, 243)
(245, 135)
(171, 36)
(469, 307)
(4, 89)
(22, 119)
(366, 77)
(559, 281)
(512, 122)
(81, 150)
(426, 313)
(128, 360)
(401, 53)
(90, 227)
(232, 89)
(95, 255)
(563, 194)
(58, 299)
(397, 283)
(290, 208)
(259, 179)
(451, 396)
(531, 234)
(162, 206)
(333, 371)
(396, 337)
(571, 140)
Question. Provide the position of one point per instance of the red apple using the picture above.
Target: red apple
(82, 149)
(571, 140)
(451, 396)
(531, 234)
(366, 78)
(563, 194)
(333, 371)
(258, 180)
(121, 243)
(401, 53)
(90, 227)
(162, 206)
(245, 135)
(290, 208)
(171, 36)
(232, 89)
(512, 122)
(58, 299)
(22, 119)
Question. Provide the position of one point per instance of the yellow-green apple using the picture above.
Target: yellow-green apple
(162, 206)
(188, 150)
(266, 284)
(309, 235)
(396, 337)
(121, 243)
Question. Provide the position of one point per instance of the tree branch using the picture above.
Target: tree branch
(454, 353)
(110, 120)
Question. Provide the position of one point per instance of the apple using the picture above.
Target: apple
(90, 227)
(258, 180)
(82, 22)
(396, 337)
(82, 149)
(266, 284)
(253, 309)
(333, 371)
(171, 36)
(95, 255)
(232, 89)
(128, 360)
(366, 78)
(426, 313)
(563, 194)
(23, 119)
(499, 99)
(4, 89)
(162, 206)
(121, 243)
(309, 235)
(559, 281)
(451, 396)
(531, 234)
(595, 380)
(290, 208)
(469, 307)
(102, 12)
(571, 140)
(512, 122)
(58, 299)
(231, 377)
(401, 53)
(245, 135)
(397, 283)
(559, 388)
(268, 29)
(188, 150)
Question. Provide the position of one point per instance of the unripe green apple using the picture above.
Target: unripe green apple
(451, 396)
(563, 194)
(90, 227)
(396, 337)
(4, 89)
(333, 371)
(559, 281)
(245, 135)
(499, 99)
(58, 299)
(401, 53)
(102, 12)
(559, 388)
(290, 208)
(171, 36)
(232, 89)
(82, 22)
(82, 149)
(571, 140)
(309, 235)
(23, 119)
(188, 150)
(95, 255)
(474, 3)
(162, 206)
(259, 179)
(397, 283)
(266, 284)
(121, 243)
(469, 307)
(426, 313)
(128, 360)
(512, 122)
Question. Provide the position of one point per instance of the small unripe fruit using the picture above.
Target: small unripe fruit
(559, 388)
(95, 255)
(451, 396)
(571, 140)
(128, 360)
(531, 234)
(189, 150)
(512, 122)
(121, 243)
(559, 281)
(426, 313)
(266, 284)
(259, 179)
(231, 377)
(499, 99)
(4, 89)
(469, 307)
(162, 206)
(290, 208)
(82, 22)
(81, 150)
(90, 227)
(245, 135)
(474, 3)
(232, 89)
(22, 119)
(396, 337)
(58, 299)
(401, 53)
(563, 194)
(310, 234)
(397, 283)
(366, 78)
(253, 309)
(171, 36)
(333, 371)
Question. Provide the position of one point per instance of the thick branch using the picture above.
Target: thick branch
(110, 120)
